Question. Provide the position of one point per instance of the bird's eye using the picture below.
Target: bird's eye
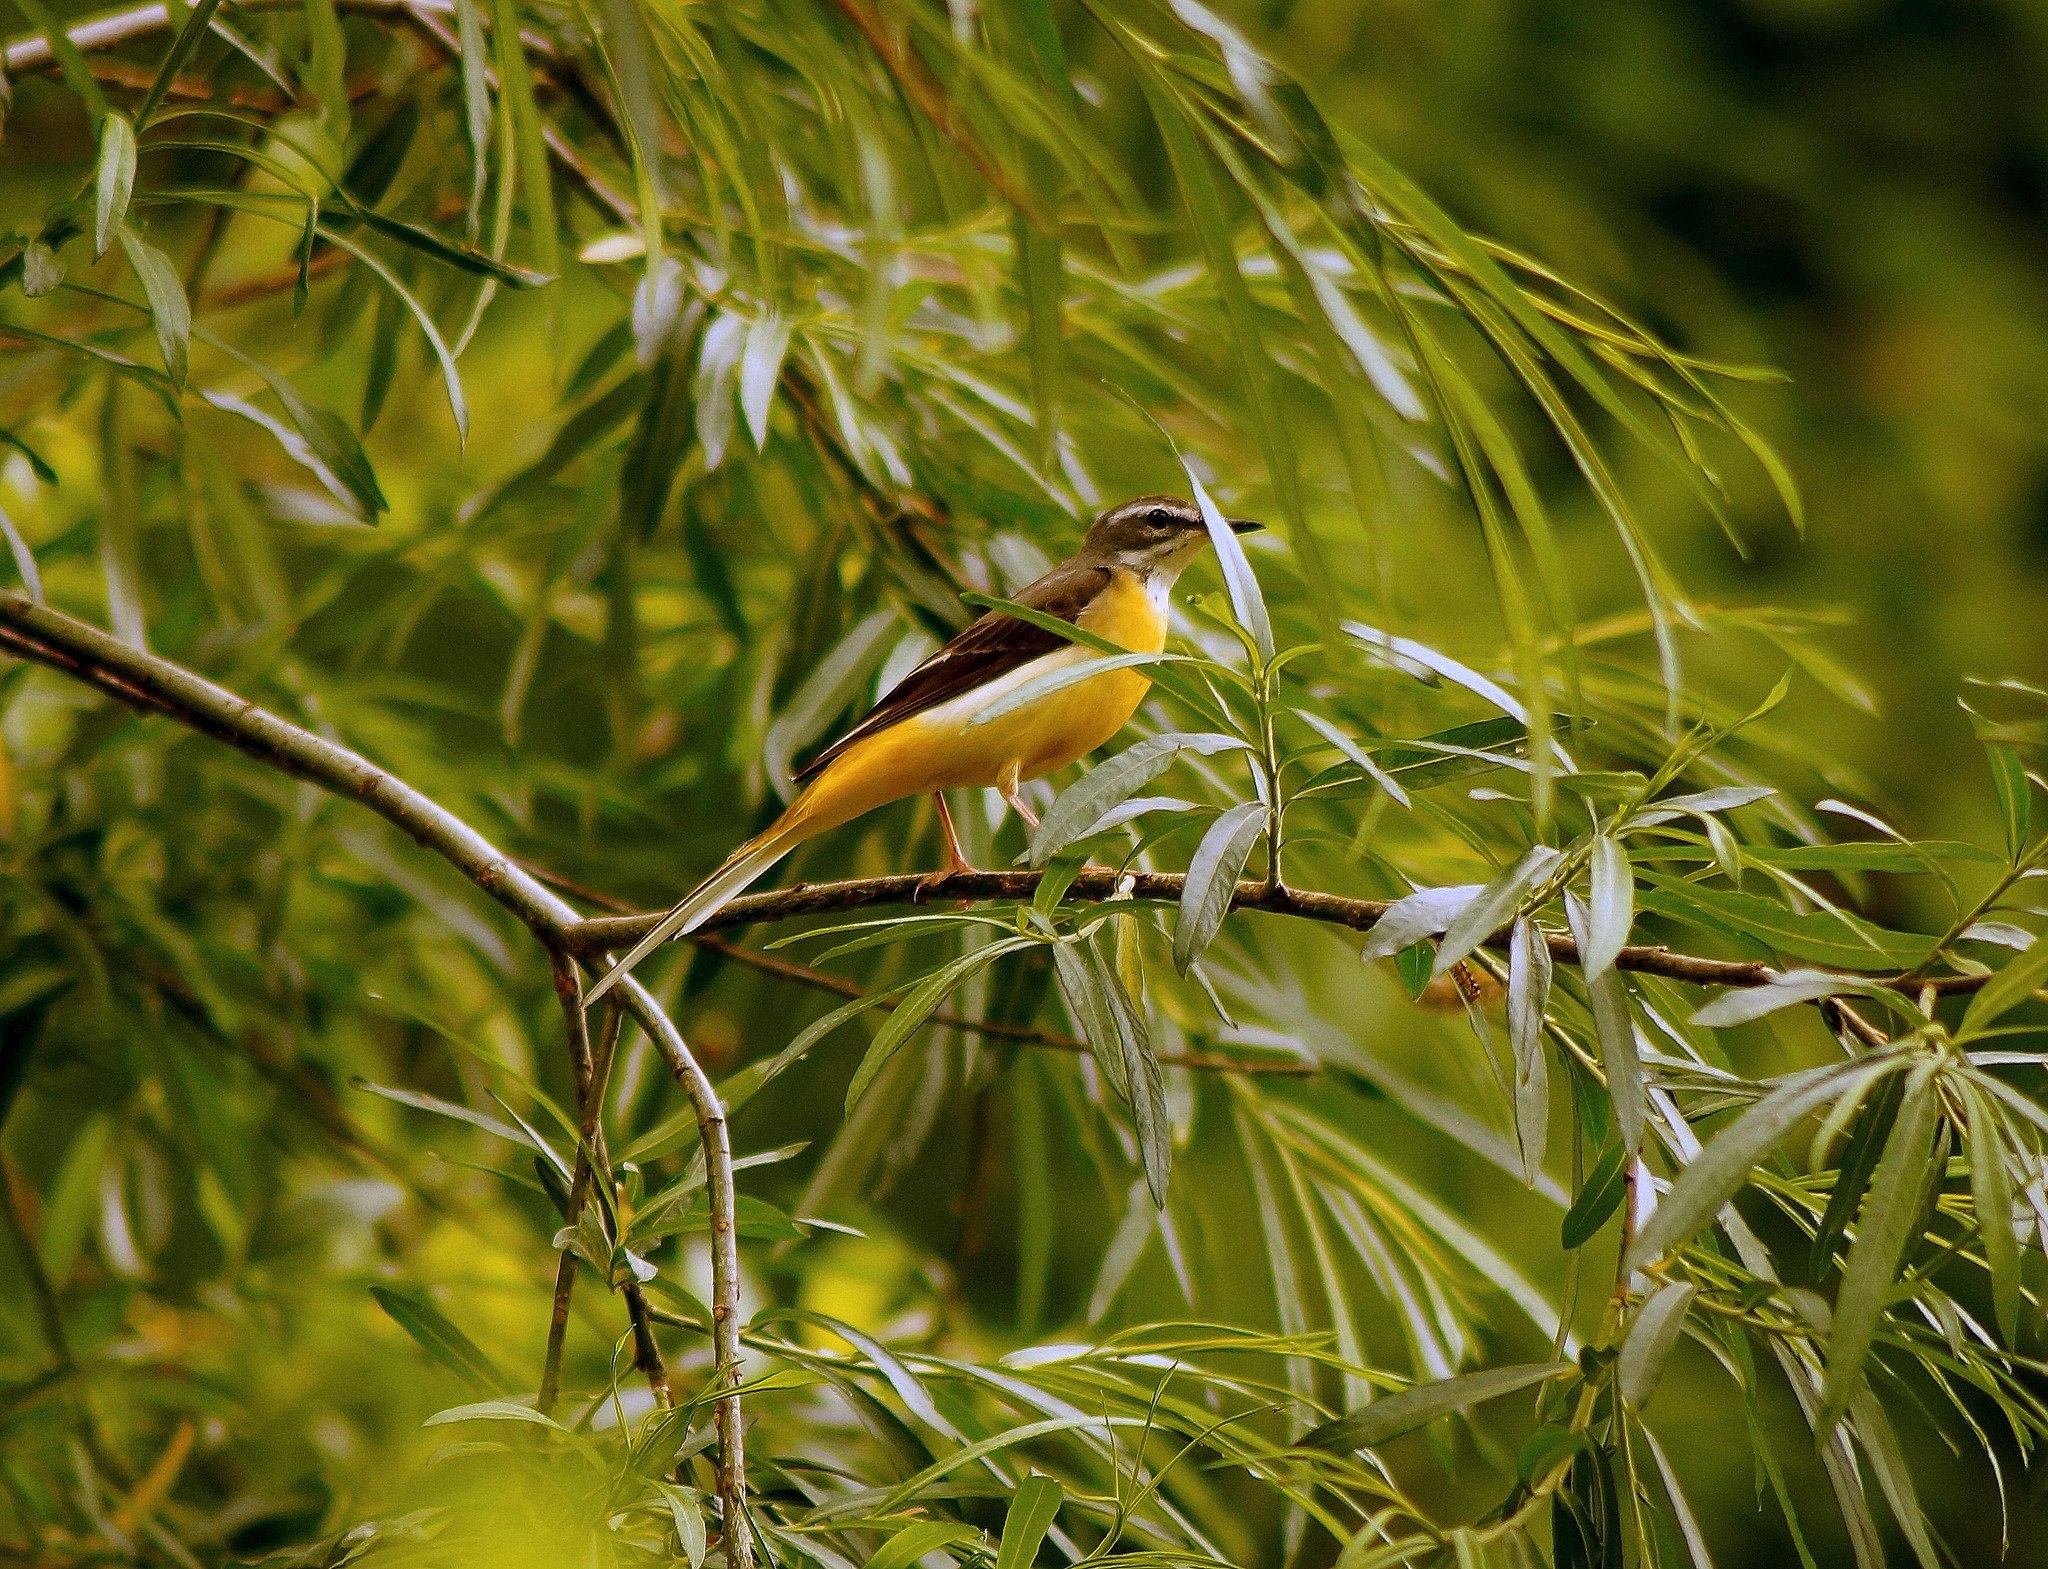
(1162, 519)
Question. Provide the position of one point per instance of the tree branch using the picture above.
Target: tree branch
(1097, 885)
(840, 986)
(158, 685)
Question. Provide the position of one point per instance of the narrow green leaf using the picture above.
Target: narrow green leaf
(1420, 914)
(1740, 1005)
(755, 1076)
(914, 1541)
(1494, 906)
(24, 558)
(439, 1337)
(493, 1411)
(451, 379)
(1054, 681)
(1895, 1478)
(1089, 1006)
(1714, 1175)
(1598, 1197)
(329, 446)
(515, 77)
(170, 312)
(1041, 280)
(1422, 661)
(190, 31)
(760, 370)
(686, 1513)
(113, 180)
(1212, 879)
(1890, 1211)
(1616, 1029)
(1081, 807)
(917, 1008)
(1132, 1042)
(420, 1100)
(41, 271)
(1529, 972)
(716, 384)
(1390, 1416)
(1610, 907)
(1991, 1195)
(1247, 602)
(327, 66)
(1032, 1511)
(1255, 367)
(476, 106)
(427, 242)
(1875, 1112)
(381, 365)
(2015, 800)
(1818, 936)
(1355, 754)
(2006, 990)
(1648, 1344)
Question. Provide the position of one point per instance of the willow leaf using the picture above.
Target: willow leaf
(1032, 1511)
(1610, 907)
(1495, 905)
(1212, 879)
(1529, 972)
(1649, 1342)
(1713, 1176)
(1890, 1211)
(1390, 1416)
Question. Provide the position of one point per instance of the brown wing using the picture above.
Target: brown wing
(991, 647)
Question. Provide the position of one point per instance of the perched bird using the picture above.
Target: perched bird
(921, 737)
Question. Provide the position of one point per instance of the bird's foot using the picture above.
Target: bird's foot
(933, 883)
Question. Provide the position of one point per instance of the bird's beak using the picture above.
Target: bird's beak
(1243, 525)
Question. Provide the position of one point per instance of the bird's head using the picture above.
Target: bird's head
(1153, 534)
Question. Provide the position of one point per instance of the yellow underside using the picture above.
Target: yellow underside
(940, 750)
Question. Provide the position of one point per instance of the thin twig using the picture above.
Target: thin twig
(593, 1069)
(161, 686)
(725, 1262)
(988, 1029)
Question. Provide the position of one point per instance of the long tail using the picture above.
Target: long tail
(738, 872)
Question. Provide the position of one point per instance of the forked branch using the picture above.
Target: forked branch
(158, 685)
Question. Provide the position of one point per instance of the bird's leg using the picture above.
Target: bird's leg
(1007, 785)
(956, 859)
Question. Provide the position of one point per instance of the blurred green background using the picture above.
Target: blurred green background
(1855, 193)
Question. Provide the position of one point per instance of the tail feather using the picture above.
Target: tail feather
(734, 877)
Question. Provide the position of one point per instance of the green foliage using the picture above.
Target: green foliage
(774, 338)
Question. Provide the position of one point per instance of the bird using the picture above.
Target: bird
(922, 737)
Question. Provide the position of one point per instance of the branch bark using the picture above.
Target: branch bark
(1100, 886)
(158, 685)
